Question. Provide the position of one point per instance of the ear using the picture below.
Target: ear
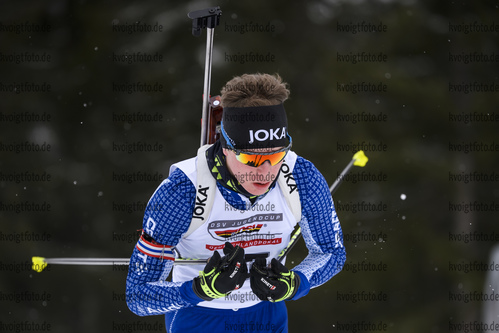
(225, 151)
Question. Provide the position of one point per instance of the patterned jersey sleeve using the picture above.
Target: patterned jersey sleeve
(167, 216)
(320, 228)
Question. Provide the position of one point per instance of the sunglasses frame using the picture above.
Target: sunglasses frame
(239, 152)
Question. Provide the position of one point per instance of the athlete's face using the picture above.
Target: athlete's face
(255, 180)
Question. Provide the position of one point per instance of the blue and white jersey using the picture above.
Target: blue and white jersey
(169, 214)
(262, 228)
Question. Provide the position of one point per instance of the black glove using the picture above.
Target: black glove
(273, 284)
(221, 275)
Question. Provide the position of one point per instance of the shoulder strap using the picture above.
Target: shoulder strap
(288, 185)
(205, 191)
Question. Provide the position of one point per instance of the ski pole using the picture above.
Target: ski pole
(359, 159)
(39, 263)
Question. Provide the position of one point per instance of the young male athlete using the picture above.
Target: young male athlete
(237, 203)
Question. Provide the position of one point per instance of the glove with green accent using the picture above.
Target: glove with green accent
(273, 284)
(221, 275)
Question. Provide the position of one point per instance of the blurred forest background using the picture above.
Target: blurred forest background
(431, 133)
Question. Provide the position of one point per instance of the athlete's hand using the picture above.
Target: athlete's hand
(221, 275)
(273, 284)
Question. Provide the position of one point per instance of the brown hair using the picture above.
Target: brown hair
(254, 90)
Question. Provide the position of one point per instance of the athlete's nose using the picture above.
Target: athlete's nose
(264, 168)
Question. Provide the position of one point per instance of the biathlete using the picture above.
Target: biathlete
(237, 203)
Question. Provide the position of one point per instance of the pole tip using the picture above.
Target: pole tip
(360, 158)
(38, 264)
